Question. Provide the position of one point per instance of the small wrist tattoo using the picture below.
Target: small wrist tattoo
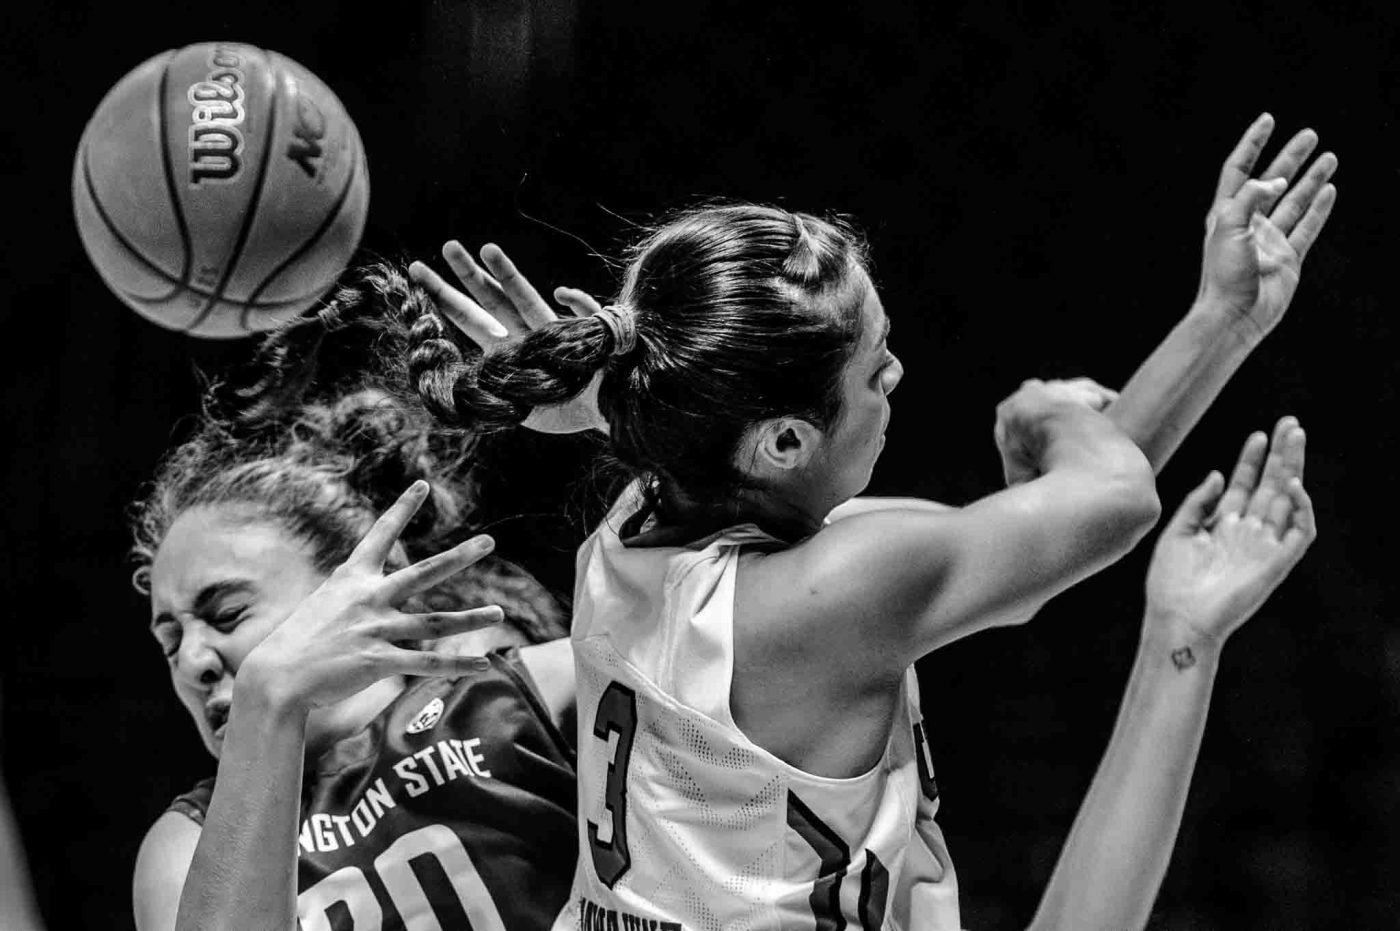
(1183, 658)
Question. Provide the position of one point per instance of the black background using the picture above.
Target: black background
(1033, 181)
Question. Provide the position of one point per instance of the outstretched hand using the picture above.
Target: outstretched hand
(1227, 549)
(501, 304)
(1256, 234)
(344, 636)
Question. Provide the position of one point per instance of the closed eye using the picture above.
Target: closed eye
(226, 621)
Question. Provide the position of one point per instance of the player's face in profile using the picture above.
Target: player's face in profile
(220, 583)
(851, 447)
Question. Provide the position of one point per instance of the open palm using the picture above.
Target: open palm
(1222, 554)
(1258, 231)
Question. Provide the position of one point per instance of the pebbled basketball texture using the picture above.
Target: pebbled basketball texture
(220, 189)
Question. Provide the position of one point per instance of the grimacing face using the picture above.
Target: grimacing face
(220, 583)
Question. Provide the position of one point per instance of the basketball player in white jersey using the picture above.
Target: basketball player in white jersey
(751, 752)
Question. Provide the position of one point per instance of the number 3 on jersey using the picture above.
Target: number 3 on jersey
(617, 716)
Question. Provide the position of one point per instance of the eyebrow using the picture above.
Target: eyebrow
(207, 596)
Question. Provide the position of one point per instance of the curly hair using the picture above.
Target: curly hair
(319, 435)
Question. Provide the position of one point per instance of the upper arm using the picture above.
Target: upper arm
(162, 864)
(883, 588)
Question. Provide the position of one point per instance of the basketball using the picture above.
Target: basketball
(220, 189)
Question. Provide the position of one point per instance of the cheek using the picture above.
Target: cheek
(874, 420)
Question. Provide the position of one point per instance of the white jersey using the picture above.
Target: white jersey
(684, 823)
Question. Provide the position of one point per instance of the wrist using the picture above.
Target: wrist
(1215, 317)
(1172, 637)
(265, 691)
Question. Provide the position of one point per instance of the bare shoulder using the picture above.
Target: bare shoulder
(884, 563)
(864, 505)
(551, 665)
(162, 864)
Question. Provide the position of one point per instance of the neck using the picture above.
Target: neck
(782, 517)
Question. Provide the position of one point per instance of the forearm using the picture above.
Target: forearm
(244, 870)
(1118, 849)
(1172, 389)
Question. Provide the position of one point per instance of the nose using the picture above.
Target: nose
(198, 660)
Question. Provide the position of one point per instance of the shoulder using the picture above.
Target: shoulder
(875, 553)
(852, 591)
(866, 505)
(162, 863)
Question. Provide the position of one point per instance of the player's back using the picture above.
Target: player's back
(687, 823)
(453, 809)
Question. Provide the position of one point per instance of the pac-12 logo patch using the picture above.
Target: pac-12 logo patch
(425, 718)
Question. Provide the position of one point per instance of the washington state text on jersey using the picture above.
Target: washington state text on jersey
(442, 762)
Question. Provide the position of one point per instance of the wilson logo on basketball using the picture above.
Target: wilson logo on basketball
(305, 147)
(215, 116)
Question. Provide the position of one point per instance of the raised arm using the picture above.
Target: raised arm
(1208, 575)
(338, 641)
(1256, 239)
(883, 588)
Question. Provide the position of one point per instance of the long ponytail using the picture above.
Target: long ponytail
(741, 313)
(498, 388)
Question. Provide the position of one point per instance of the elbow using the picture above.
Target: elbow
(1130, 504)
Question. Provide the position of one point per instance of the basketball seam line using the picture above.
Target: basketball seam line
(155, 269)
(166, 162)
(122, 240)
(253, 201)
(305, 247)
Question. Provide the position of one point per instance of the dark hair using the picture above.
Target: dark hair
(742, 313)
(319, 435)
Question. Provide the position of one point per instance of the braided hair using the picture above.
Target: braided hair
(740, 313)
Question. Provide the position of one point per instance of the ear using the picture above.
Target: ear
(783, 444)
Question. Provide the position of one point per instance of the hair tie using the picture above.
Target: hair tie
(621, 322)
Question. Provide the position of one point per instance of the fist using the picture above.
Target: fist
(1018, 433)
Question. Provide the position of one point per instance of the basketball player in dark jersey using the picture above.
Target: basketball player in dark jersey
(375, 772)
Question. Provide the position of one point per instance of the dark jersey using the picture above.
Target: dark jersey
(454, 809)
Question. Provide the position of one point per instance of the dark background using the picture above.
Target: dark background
(1033, 182)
